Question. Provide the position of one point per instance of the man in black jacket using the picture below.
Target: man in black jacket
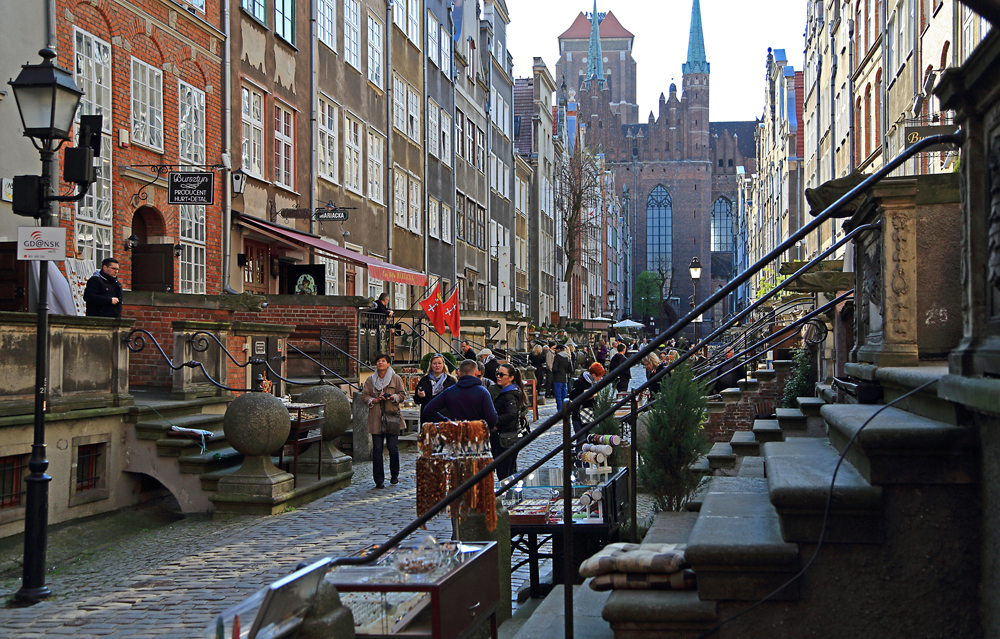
(467, 350)
(103, 294)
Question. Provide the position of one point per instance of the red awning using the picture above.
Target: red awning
(376, 268)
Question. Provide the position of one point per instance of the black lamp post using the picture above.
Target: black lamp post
(47, 99)
(695, 270)
(612, 303)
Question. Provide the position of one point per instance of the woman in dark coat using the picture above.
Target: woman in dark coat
(508, 405)
(584, 414)
(626, 376)
(436, 380)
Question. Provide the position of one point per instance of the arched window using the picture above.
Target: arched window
(659, 229)
(722, 226)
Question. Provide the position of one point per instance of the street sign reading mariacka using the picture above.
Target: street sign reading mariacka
(331, 215)
(190, 188)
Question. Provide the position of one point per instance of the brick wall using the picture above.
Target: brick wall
(719, 427)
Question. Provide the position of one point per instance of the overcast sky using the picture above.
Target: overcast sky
(737, 35)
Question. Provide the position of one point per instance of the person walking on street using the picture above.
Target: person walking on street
(490, 363)
(436, 380)
(626, 375)
(467, 351)
(537, 359)
(562, 372)
(383, 392)
(651, 363)
(103, 294)
(602, 353)
(508, 403)
(467, 400)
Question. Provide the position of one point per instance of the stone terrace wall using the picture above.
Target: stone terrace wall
(722, 422)
(154, 312)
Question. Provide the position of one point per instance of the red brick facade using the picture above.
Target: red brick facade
(720, 426)
(186, 45)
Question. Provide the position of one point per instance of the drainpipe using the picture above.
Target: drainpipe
(227, 131)
(313, 113)
(426, 214)
(454, 160)
(390, 92)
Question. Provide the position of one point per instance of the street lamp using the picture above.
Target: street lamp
(695, 270)
(47, 100)
(612, 303)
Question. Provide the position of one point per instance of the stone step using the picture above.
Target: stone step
(767, 430)
(752, 467)
(748, 385)
(898, 447)
(897, 381)
(670, 527)
(721, 456)
(810, 405)
(200, 463)
(827, 392)
(765, 374)
(170, 409)
(183, 445)
(700, 466)
(744, 444)
(731, 395)
(798, 479)
(783, 365)
(158, 428)
(716, 407)
(737, 550)
(791, 419)
(724, 485)
(661, 613)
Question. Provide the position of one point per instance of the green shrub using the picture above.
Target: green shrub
(449, 362)
(802, 381)
(602, 402)
(674, 440)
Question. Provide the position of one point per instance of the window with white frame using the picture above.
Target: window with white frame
(433, 135)
(890, 46)
(399, 103)
(374, 50)
(506, 123)
(375, 166)
(432, 38)
(352, 33)
(413, 124)
(326, 23)
(256, 8)
(353, 139)
(375, 288)
(192, 240)
(399, 14)
(332, 268)
(445, 138)
(416, 207)
(445, 51)
(399, 295)
(284, 146)
(329, 120)
(470, 142)
(506, 181)
(284, 19)
(94, 213)
(253, 131)
(413, 24)
(433, 217)
(190, 124)
(399, 197)
(147, 105)
(445, 222)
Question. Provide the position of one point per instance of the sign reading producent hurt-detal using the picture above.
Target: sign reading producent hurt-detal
(41, 243)
(190, 188)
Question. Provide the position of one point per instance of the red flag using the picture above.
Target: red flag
(435, 309)
(451, 313)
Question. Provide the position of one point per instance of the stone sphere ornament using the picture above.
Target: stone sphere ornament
(338, 409)
(256, 424)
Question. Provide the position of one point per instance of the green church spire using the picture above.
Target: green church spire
(595, 58)
(696, 62)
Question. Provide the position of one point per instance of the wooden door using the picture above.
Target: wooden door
(350, 277)
(257, 268)
(13, 279)
(153, 268)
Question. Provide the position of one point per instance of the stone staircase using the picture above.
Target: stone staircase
(901, 544)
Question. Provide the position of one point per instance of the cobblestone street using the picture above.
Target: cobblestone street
(169, 582)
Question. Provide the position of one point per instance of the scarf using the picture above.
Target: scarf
(589, 378)
(382, 382)
(437, 383)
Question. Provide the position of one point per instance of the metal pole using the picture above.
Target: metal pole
(633, 479)
(36, 517)
(568, 572)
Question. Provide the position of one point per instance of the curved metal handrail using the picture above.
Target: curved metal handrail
(351, 357)
(136, 343)
(322, 380)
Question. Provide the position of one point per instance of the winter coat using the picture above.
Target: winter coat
(470, 354)
(602, 355)
(581, 386)
(465, 401)
(538, 361)
(617, 361)
(425, 384)
(492, 366)
(562, 368)
(654, 388)
(397, 389)
(550, 356)
(508, 407)
(100, 289)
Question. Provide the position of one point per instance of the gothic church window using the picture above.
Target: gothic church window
(722, 226)
(659, 228)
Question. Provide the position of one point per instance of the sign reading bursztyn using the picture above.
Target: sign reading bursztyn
(190, 188)
(915, 134)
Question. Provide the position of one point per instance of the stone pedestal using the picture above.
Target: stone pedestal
(338, 420)
(362, 444)
(190, 383)
(473, 528)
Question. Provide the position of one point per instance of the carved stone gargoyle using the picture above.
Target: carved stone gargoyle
(829, 192)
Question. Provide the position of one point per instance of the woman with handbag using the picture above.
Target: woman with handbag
(383, 392)
(584, 414)
(508, 404)
(436, 380)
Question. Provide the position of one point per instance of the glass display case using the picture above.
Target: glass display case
(306, 428)
(439, 591)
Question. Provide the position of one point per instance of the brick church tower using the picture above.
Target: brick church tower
(680, 169)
